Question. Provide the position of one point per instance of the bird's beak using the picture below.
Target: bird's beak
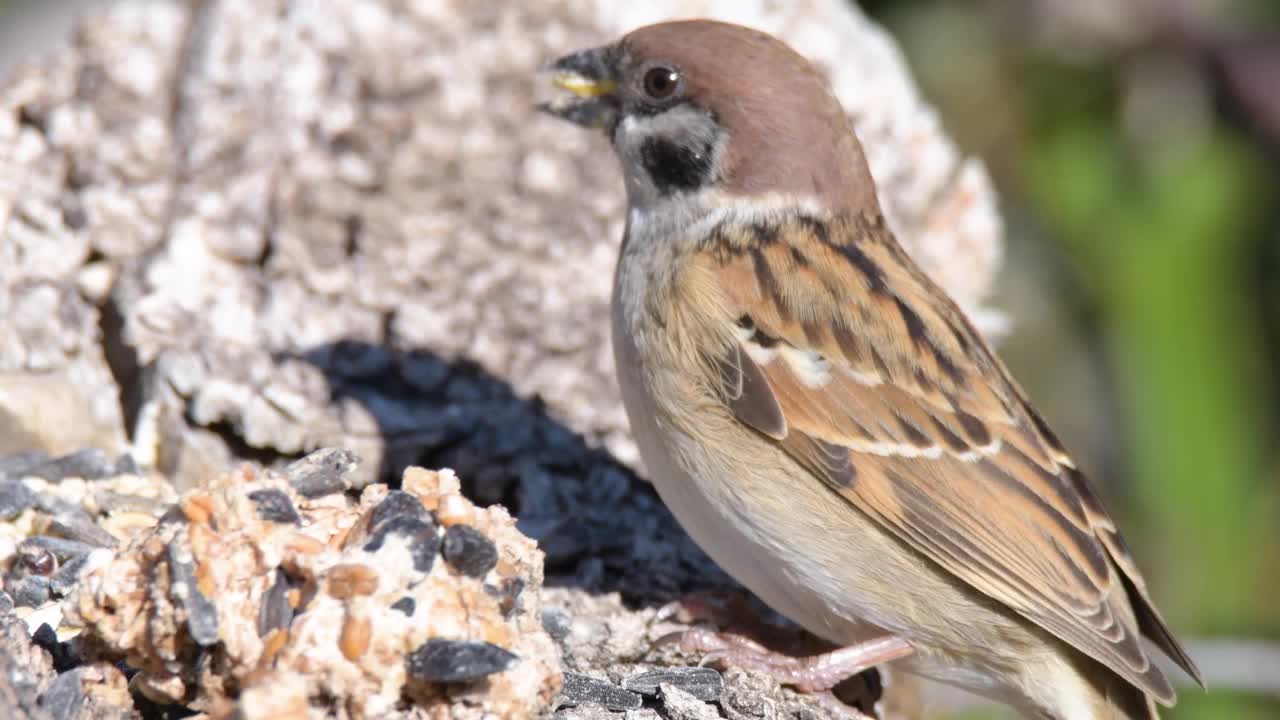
(591, 77)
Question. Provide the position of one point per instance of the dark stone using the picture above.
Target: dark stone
(323, 472)
(557, 622)
(68, 576)
(583, 690)
(89, 464)
(64, 697)
(31, 591)
(202, 616)
(275, 611)
(469, 551)
(275, 506)
(703, 683)
(405, 605)
(15, 497)
(449, 661)
(6, 603)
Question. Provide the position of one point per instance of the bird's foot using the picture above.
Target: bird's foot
(816, 674)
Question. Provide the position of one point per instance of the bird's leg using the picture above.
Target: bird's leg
(811, 674)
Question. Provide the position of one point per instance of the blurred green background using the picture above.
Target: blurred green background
(1136, 148)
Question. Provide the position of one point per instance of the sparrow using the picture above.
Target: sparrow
(820, 416)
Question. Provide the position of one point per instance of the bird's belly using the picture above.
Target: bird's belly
(744, 516)
(769, 551)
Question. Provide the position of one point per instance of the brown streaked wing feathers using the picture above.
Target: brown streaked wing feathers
(919, 425)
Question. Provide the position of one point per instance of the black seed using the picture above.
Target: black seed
(405, 605)
(202, 616)
(126, 465)
(404, 525)
(323, 472)
(703, 683)
(30, 591)
(557, 622)
(62, 548)
(275, 611)
(469, 551)
(397, 503)
(15, 497)
(448, 661)
(275, 506)
(67, 577)
(63, 655)
(15, 466)
(581, 689)
(89, 464)
(77, 525)
(674, 167)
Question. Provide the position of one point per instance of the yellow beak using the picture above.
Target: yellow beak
(583, 86)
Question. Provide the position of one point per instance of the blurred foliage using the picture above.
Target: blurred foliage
(1154, 198)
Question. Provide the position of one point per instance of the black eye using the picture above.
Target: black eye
(661, 82)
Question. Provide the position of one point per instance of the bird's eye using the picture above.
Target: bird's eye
(660, 83)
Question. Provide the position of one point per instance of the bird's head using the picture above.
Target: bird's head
(702, 109)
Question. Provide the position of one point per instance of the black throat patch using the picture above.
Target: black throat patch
(675, 167)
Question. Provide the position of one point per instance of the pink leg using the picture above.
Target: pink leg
(812, 674)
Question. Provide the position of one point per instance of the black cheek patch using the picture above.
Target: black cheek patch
(674, 167)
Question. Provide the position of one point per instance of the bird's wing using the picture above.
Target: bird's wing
(868, 375)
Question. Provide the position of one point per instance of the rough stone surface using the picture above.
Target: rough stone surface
(260, 228)
(26, 671)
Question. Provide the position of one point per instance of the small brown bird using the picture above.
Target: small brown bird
(821, 417)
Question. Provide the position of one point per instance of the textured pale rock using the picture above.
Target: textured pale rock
(276, 226)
